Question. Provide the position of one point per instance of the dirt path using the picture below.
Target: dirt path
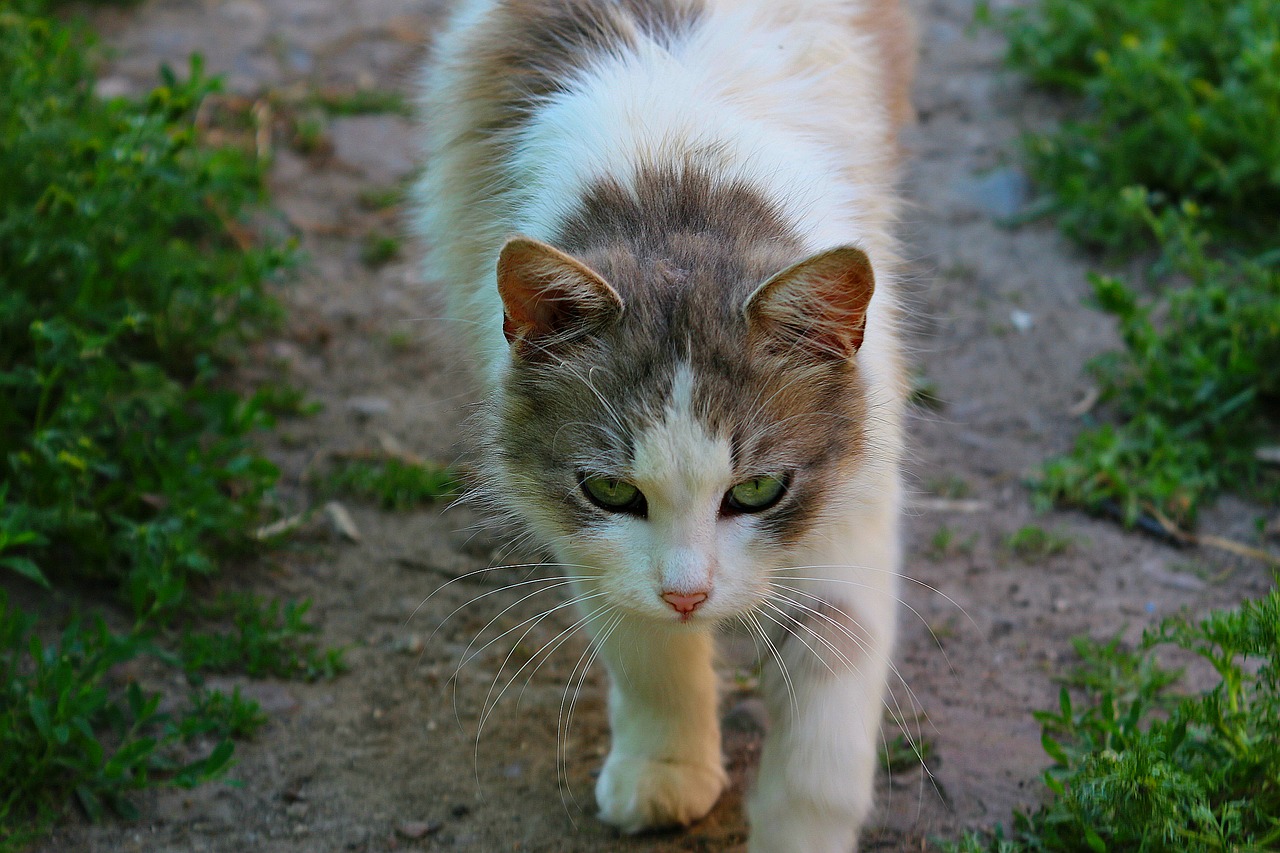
(386, 756)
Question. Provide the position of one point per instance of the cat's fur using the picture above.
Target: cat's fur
(664, 226)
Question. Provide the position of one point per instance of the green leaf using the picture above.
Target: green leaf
(26, 568)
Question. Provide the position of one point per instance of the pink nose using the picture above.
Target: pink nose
(682, 603)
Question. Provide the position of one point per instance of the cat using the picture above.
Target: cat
(664, 226)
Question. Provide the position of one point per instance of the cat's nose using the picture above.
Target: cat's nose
(684, 603)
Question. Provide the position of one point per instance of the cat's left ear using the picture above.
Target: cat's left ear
(550, 298)
(817, 307)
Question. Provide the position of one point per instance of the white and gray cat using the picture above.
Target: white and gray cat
(665, 226)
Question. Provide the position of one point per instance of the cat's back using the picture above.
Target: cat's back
(527, 102)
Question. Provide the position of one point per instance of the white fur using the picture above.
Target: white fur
(780, 92)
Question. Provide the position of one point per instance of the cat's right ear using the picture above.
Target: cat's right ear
(550, 298)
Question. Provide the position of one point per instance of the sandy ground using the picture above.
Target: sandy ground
(391, 755)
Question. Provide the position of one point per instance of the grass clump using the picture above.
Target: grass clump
(1032, 543)
(128, 283)
(1139, 768)
(391, 483)
(1194, 391)
(267, 640)
(1174, 144)
(378, 249)
(67, 732)
(1179, 99)
(1172, 147)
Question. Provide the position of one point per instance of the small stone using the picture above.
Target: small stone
(415, 829)
(412, 644)
(113, 87)
(1000, 194)
(1022, 321)
(513, 771)
(340, 517)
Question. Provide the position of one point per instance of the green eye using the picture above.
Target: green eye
(754, 495)
(614, 495)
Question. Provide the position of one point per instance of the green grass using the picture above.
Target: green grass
(267, 639)
(1032, 543)
(1179, 99)
(1172, 149)
(1139, 767)
(945, 543)
(1193, 393)
(67, 730)
(378, 249)
(390, 483)
(129, 283)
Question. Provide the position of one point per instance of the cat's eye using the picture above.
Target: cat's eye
(614, 495)
(754, 495)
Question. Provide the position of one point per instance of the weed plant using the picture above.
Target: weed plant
(1174, 143)
(390, 483)
(127, 285)
(1181, 99)
(1137, 767)
(67, 731)
(1193, 391)
(122, 296)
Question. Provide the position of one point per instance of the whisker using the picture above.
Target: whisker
(553, 583)
(896, 712)
(545, 652)
(930, 587)
(564, 724)
(475, 572)
(532, 622)
(752, 620)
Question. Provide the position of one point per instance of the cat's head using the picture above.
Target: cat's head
(675, 423)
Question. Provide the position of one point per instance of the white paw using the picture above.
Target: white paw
(635, 794)
(783, 825)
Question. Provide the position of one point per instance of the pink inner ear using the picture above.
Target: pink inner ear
(818, 306)
(549, 296)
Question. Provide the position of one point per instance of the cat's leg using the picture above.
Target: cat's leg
(817, 768)
(664, 766)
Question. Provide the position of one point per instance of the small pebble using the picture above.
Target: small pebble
(415, 829)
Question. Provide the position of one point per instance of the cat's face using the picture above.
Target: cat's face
(675, 444)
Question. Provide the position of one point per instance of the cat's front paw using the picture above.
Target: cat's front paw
(635, 794)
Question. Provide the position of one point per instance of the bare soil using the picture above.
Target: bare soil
(391, 755)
